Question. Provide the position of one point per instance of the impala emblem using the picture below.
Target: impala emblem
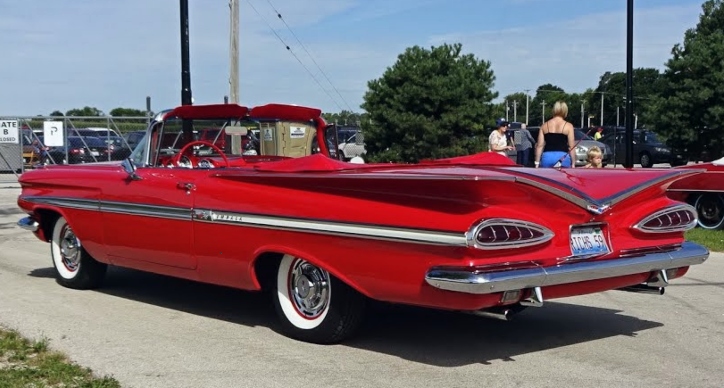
(598, 209)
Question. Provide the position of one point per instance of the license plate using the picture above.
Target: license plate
(95, 153)
(588, 240)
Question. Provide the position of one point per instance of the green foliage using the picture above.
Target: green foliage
(345, 118)
(431, 103)
(25, 363)
(85, 111)
(690, 109)
(128, 112)
(712, 239)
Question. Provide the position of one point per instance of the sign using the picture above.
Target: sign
(53, 134)
(298, 132)
(9, 131)
(588, 241)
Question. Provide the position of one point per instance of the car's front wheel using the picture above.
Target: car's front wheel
(710, 210)
(74, 267)
(313, 305)
(646, 160)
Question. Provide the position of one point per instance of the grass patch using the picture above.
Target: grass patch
(25, 363)
(712, 239)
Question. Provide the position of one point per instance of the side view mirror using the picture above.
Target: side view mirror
(130, 169)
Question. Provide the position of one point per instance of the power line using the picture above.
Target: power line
(295, 55)
(279, 15)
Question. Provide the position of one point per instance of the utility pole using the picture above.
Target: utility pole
(527, 104)
(543, 115)
(234, 51)
(185, 62)
(617, 116)
(515, 110)
(629, 85)
(582, 104)
(507, 110)
(602, 109)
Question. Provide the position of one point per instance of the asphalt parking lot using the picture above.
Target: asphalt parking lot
(153, 331)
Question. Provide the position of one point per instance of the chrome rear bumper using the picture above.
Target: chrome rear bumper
(473, 280)
(28, 223)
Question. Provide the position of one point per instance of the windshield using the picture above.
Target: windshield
(650, 137)
(580, 135)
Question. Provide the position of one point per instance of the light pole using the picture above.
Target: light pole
(527, 104)
(629, 85)
(185, 65)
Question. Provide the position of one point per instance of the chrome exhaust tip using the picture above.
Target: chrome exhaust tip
(645, 288)
(500, 313)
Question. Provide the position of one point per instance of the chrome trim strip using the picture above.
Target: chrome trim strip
(468, 280)
(174, 213)
(28, 223)
(72, 203)
(333, 228)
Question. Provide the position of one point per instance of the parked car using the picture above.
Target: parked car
(77, 149)
(352, 146)
(647, 148)
(132, 138)
(463, 234)
(706, 195)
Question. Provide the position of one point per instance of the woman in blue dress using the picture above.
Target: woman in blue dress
(556, 142)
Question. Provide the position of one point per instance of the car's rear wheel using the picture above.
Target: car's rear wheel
(74, 267)
(313, 305)
(710, 210)
(645, 160)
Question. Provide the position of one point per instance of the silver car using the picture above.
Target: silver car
(584, 143)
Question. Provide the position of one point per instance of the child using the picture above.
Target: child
(594, 158)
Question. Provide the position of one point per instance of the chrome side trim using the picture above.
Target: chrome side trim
(71, 203)
(471, 281)
(28, 223)
(333, 228)
(174, 213)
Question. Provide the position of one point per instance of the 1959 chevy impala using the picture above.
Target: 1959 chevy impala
(706, 195)
(472, 234)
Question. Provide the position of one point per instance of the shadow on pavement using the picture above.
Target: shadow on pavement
(438, 338)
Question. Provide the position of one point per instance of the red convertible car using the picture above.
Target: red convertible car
(706, 195)
(473, 234)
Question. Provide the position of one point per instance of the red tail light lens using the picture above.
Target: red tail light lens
(501, 233)
(677, 218)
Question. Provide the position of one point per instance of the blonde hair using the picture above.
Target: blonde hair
(592, 153)
(560, 108)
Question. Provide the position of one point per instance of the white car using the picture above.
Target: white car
(352, 146)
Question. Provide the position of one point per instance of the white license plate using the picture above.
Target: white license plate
(588, 240)
(95, 153)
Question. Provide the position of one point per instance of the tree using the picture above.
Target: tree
(516, 107)
(432, 103)
(128, 112)
(56, 113)
(647, 85)
(549, 94)
(85, 111)
(690, 109)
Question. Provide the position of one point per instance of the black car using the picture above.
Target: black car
(647, 148)
(78, 150)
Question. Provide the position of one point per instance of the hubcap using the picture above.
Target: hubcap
(69, 249)
(309, 289)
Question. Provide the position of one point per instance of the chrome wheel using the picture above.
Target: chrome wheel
(70, 250)
(710, 210)
(308, 289)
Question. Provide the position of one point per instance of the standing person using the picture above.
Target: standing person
(556, 142)
(599, 134)
(498, 142)
(524, 145)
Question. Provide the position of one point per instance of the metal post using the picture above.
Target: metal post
(618, 121)
(185, 62)
(629, 85)
(515, 110)
(527, 104)
(602, 109)
(234, 51)
(148, 108)
(582, 112)
(543, 114)
(507, 110)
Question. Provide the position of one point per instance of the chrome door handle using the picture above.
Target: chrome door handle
(186, 186)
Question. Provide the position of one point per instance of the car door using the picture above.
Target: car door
(149, 219)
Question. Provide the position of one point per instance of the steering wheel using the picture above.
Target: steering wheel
(175, 160)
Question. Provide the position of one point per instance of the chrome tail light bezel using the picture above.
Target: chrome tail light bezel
(472, 234)
(687, 224)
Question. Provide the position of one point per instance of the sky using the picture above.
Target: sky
(65, 54)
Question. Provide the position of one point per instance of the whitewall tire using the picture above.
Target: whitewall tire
(313, 305)
(74, 267)
(710, 210)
